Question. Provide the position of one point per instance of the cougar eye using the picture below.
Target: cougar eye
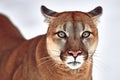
(86, 34)
(61, 34)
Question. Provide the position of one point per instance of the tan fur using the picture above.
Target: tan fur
(32, 59)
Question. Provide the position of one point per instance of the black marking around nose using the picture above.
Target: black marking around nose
(62, 57)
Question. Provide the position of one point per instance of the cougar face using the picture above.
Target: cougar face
(72, 38)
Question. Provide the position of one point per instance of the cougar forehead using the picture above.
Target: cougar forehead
(64, 17)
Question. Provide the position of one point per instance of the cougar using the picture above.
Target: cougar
(65, 52)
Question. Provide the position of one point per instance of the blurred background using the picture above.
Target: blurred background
(26, 15)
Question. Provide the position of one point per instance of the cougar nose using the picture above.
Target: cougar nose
(74, 53)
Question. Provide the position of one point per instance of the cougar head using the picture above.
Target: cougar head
(72, 36)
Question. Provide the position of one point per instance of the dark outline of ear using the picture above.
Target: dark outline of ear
(47, 12)
(96, 12)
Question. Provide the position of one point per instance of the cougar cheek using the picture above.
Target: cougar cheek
(54, 48)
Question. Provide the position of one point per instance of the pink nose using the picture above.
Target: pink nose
(74, 53)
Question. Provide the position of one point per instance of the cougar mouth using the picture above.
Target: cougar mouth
(74, 63)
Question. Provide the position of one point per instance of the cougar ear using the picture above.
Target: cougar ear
(96, 13)
(47, 13)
